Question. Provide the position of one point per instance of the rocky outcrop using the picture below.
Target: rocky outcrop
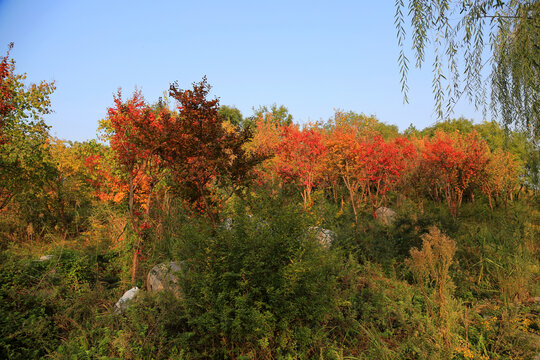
(386, 215)
(164, 276)
(324, 236)
(123, 303)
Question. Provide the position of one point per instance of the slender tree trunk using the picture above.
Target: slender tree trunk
(131, 194)
(138, 245)
(349, 186)
(60, 203)
(6, 201)
(135, 256)
(304, 197)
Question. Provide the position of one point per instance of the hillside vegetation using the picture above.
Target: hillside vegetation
(342, 239)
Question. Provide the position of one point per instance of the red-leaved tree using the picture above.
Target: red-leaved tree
(135, 138)
(453, 164)
(299, 157)
(201, 153)
(385, 162)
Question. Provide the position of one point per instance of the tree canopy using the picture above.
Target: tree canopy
(23, 133)
(465, 36)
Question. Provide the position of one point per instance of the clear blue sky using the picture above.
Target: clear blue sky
(311, 56)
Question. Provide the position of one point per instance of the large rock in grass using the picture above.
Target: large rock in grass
(324, 236)
(227, 224)
(46, 258)
(386, 215)
(164, 276)
(123, 303)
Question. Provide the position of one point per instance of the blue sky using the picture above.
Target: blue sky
(311, 56)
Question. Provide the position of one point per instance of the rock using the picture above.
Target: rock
(46, 258)
(227, 224)
(386, 215)
(164, 277)
(324, 236)
(122, 304)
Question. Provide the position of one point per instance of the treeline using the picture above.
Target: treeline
(203, 153)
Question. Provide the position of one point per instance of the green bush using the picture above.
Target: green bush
(27, 328)
(263, 287)
(42, 301)
(260, 286)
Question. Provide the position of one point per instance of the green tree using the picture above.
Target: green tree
(461, 125)
(411, 131)
(231, 114)
(362, 122)
(25, 163)
(280, 114)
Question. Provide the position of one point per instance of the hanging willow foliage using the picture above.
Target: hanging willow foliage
(467, 35)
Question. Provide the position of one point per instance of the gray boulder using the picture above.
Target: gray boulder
(386, 215)
(122, 304)
(227, 224)
(324, 236)
(164, 276)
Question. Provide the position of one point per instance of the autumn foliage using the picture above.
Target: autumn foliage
(452, 166)
(353, 157)
(189, 151)
(201, 153)
(300, 153)
(190, 145)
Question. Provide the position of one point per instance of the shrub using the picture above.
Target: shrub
(263, 288)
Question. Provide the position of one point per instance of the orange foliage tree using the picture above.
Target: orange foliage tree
(192, 144)
(267, 136)
(344, 162)
(501, 177)
(368, 165)
(104, 177)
